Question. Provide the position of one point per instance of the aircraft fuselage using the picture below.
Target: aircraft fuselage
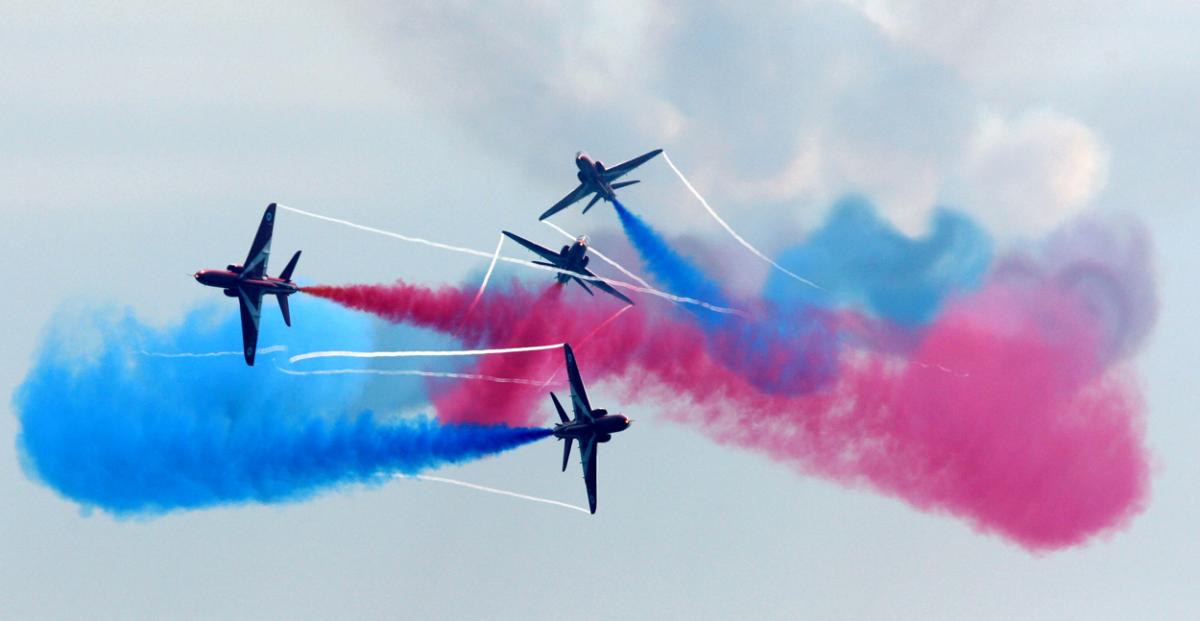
(228, 279)
(589, 175)
(574, 258)
(602, 425)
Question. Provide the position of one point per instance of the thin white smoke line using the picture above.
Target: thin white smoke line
(420, 354)
(524, 263)
(492, 490)
(417, 373)
(265, 350)
(370, 229)
(603, 324)
(594, 332)
(486, 277)
(941, 368)
(596, 252)
(730, 230)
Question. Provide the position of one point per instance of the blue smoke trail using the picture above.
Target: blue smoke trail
(670, 268)
(110, 427)
(779, 353)
(863, 262)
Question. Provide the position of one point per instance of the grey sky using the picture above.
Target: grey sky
(138, 140)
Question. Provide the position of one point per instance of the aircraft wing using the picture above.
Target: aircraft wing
(256, 261)
(579, 400)
(605, 287)
(541, 251)
(587, 457)
(621, 169)
(575, 195)
(251, 304)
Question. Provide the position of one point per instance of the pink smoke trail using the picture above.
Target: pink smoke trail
(1038, 441)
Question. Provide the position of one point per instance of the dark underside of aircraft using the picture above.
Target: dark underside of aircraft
(595, 179)
(249, 283)
(571, 259)
(590, 427)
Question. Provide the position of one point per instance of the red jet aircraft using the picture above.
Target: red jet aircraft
(249, 283)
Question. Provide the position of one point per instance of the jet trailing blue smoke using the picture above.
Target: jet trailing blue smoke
(108, 424)
(800, 343)
(863, 262)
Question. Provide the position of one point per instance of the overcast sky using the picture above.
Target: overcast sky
(139, 142)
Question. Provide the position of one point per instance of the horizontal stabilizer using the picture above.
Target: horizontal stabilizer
(617, 186)
(584, 285)
(291, 267)
(566, 453)
(562, 414)
(594, 200)
(283, 308)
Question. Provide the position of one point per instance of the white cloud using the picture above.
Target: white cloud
(1032, 173)
(776, 111)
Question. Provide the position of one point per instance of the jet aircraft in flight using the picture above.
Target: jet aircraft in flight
(249, 283)
(571, 258)
(594, 178)
(590, 427)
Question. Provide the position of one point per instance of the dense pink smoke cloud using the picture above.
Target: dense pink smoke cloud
(1003, 412)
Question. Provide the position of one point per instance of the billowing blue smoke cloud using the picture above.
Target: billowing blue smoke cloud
(109, 426)
(859, 260)
(799, 344)
(863, 262)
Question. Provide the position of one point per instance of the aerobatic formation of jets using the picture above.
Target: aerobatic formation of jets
(249, 282)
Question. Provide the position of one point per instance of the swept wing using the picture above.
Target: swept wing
(616, 172)
(587, 457)
(251, 307)
(577, 194)
(256, 261)
(579, 399)
(541, 251)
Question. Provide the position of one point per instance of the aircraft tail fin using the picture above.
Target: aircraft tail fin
(594, 200)
(286, 274)
(617, 186)
(562, 414)
(566, 453)
(584, 285)
(283, 308)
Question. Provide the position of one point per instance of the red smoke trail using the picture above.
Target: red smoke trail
(1032, 438)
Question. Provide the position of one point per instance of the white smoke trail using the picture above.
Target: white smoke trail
(942, 368)
(417, 373)
(596, 252)
(603, 324)
(420, 354)
(361, 227)
(492, 490)
(486, 277)
(588, 337)
(528, 264)
(730, 230)
(212, 354)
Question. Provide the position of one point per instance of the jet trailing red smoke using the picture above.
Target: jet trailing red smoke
(1003, 411)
